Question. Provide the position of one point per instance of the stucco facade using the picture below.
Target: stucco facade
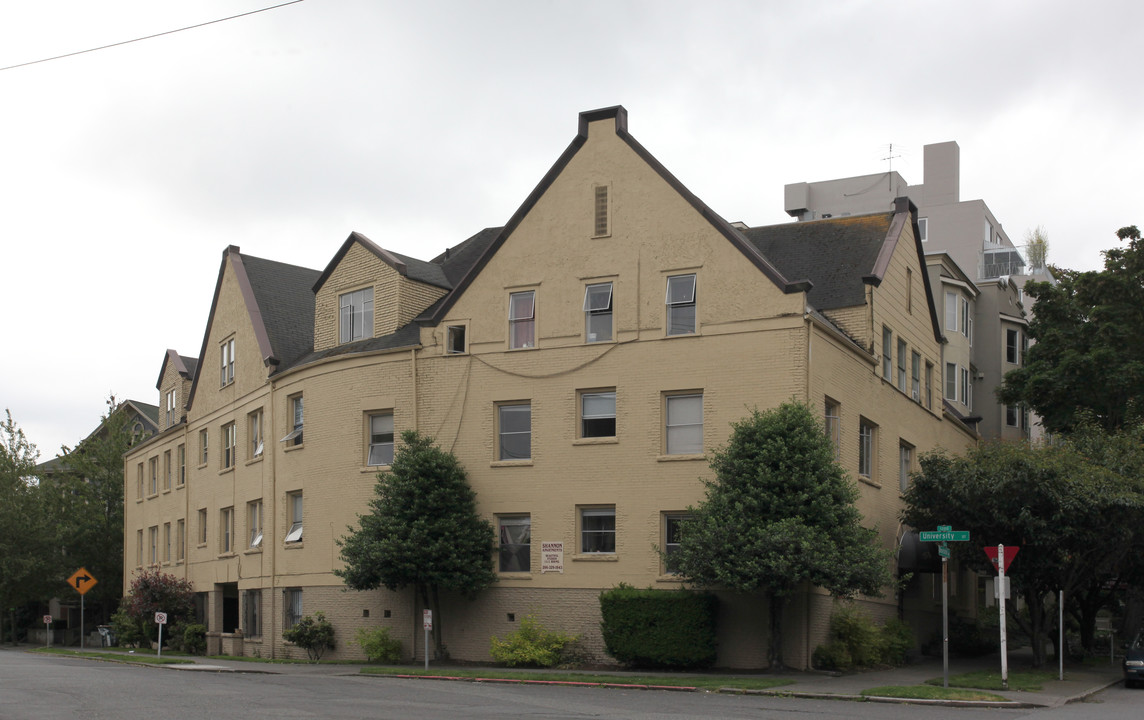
(582, 362)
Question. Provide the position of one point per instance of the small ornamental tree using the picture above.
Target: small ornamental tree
(153, 591)
(423, 530)
(780, 513)
(314, 634)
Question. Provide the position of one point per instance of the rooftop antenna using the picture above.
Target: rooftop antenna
(890, 165)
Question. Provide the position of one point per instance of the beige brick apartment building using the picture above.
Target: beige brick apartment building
(580, 361)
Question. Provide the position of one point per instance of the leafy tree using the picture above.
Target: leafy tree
(90, 506)
(779, 514)
(29, 553)
(423, 530)
(314, 634)
(1061, 509)
(154, 591)
(1088, 355)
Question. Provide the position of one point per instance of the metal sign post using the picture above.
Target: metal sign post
(1001, 605)
(161, 619)
(427, 622)
(82, 581)
(47, 629)
(944, 535)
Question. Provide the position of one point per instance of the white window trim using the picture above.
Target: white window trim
(688, 300)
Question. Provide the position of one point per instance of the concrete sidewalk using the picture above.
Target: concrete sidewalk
(1080, 681)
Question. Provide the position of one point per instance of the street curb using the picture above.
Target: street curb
(1081, 697)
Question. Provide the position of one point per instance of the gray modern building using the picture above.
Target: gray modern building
(977, 273)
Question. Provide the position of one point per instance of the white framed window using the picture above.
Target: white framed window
(380, 439)
(226, 368)
(929, 384)
(966, 319)
(294, 437)
(455, 340)
(153, 543)
(139, 548)
(673, 532)
(598, 414)
(167, 471)
(181, 462)
(1012, 346)
(166, 542)
(139, 485)
(254, 426)
(966, 393)
(522, 319)
(294, 510)
(355, 315)
(598, 530)
(252, 613)
(832, 421)
(153, 474)
(602, 220)
(180, 540)
(514, 430)
(923, 229)
(598, 312)
(229, 434)
(515, 549)
(905, 464)
(901, 365)
(254, 522)
(226, 530)
(887, 354)
(950, 311)
(867, 448)
(683, 424)
(681, 304)
(202, 537)
(169, 406)
(916, 376)
(204, 446)
(951, 381)
(1011, 415)
(292, 607)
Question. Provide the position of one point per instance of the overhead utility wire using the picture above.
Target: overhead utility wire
(148, 37)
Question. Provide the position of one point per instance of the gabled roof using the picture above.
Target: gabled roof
(620, 115)
(185, 366)
(279, 303)
(429, 273)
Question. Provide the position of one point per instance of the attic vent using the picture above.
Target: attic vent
(601, 228)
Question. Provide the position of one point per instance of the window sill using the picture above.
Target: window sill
(200, 466)
(138, 499)
(524, 349)
(226, 470)
(511, 463)
(693, 333)
(595, 557)
(292, 448)
(153, 495)
(681, 457)
(180, 486)
(166, 491)
(226, 555)
(869, 481)
(255, 459)
(596, 441)
(294, 545)
(526, 575)
(253, 551)
(201, 545)
(375, 468)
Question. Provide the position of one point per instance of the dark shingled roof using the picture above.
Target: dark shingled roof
(287, 305)
(191, 363)
(834, 254)
(407, 336)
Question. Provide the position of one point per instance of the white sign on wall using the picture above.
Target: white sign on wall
(552, 557)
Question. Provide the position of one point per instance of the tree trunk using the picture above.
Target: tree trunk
(775, 648)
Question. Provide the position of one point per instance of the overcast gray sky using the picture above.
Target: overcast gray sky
(125, 173)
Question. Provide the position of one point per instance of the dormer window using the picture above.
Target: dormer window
(227, 366)
(355, 315)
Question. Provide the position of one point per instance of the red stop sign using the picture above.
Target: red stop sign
(1010, 553)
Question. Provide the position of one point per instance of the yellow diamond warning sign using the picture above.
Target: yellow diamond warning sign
(81, 581)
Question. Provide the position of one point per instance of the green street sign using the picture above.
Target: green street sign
(943, 550)
(944, 535)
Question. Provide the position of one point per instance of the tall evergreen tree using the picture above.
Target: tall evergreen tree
(780, 516)
(423, 530)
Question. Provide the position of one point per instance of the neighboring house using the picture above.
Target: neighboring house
(972, 246)
(143, 420)
(582, 362)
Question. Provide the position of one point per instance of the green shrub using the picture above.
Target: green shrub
(194, 638)
(856, 641)
(531, 645)
(659, 628)
(378, 646)
(314, 633)
(128, 629)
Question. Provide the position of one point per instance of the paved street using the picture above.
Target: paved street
(36, 687)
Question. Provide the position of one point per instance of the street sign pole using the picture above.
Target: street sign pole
(945, 621)
(81, 622)
(427, 622)
(1001, 605)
